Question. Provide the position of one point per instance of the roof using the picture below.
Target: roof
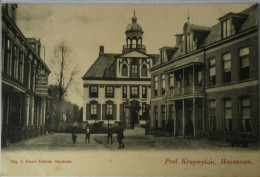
(214, 33)
(134, 26)
(101, 66)
(105, 66)
(199, 28)
(251, 21)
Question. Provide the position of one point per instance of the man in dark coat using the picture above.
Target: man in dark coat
(74, 135)
(110, 135)
(120, 137)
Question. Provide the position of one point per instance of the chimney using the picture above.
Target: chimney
(101, 50)
(178, 39)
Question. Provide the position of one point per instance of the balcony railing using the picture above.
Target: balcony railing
(186, 90)
(134, 46)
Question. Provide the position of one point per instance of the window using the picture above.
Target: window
(199, 78)
(212, 72)
(156, 116)
(226, 68)
(8, 57)
(163, 56)
(156, 85)
(212, 115)
(93, 91)
(33, 78)
(144, 92)
(144, 71)
(163, 84)
(28, 120)
(32, 122)
(134, 68)
(16, 63)
(93, 111)
(228, 114)
(21, 67)
(134, 92)
(29, 75)
(163, 116)
(188, 78)
(109, 91)
(189, 42)
(171, 80)
(3, 50)
(245, 114)
(143, 111)
(124, 91)
(226, 31)
(244, 63)
(124, 70)
(109, 110)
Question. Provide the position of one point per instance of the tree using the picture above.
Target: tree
(64, 69)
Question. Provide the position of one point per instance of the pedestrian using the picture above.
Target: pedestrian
(110, 135)
(74, 135)
(120, 137)
(87, 135)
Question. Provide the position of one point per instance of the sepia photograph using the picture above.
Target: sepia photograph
(130, 89)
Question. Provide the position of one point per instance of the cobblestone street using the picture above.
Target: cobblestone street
(134, 140)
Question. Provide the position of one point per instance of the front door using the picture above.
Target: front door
(179, 129)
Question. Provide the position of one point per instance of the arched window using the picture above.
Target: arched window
(124, 70)
(139, 43)
(134, 41)
(144, 70)
(128, 43)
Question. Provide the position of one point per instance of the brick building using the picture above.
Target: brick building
(118, 86)
(24, 103)
(207, 85)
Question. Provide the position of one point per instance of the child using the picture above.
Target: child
(87, 135)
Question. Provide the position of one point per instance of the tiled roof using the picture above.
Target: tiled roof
(251, 21)
(215, 31)
(103, 66)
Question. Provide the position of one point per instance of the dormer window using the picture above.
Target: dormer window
(163, 56)
(231, 23)
(226, 28)
(189, 43)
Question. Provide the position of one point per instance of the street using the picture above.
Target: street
(134, 140)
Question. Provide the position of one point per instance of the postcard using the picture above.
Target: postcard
(130, 90)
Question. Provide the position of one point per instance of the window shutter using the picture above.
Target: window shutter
(88, 112)
(103, 111)
(114, 111)
(99, 112)
(121, 111)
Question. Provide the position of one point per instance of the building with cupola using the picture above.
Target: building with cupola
(207, 85)
(117, 87)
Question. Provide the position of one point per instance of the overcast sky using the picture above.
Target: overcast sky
(86, 27)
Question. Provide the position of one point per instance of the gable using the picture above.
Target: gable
(134, 54)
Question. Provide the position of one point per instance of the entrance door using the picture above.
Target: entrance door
(179, 130)
(135, 108)
(189, 125)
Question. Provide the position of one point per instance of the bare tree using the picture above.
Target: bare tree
(64, 69)
(64, 72)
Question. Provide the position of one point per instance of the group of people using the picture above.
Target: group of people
(119, 131)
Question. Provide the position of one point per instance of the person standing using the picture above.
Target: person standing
(120, 137)
(110, 136)
(74, 135)
(87, 135)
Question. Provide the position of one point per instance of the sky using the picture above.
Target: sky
(85, 27)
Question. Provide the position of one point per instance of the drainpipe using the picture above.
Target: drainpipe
(205, 95)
